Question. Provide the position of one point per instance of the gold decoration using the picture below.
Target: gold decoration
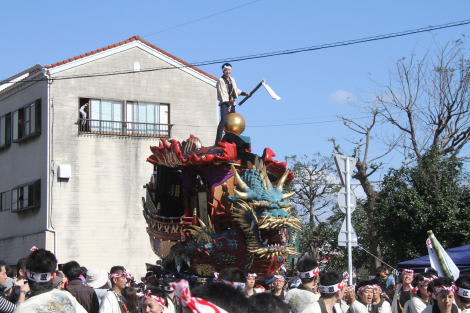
(235, 123)
(203, 269)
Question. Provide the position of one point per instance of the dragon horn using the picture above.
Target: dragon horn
(240, 182)
(261, 168)
(282, 180)
(241, 195)
(288, 195)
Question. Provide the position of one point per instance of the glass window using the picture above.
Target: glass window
(26, 197)
(5, 201)
(2, 131)
(146, 118)
(27, 121)
(128, 117)
(106, 115)
(15, 125)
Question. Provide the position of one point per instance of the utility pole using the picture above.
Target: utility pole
(347, 203)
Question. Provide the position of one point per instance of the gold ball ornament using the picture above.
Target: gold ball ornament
(235, 123)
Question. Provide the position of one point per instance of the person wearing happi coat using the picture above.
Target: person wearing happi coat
(227, 93)
(402, 291)
(332, 288)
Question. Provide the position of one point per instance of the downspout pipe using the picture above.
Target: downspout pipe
(49, 226)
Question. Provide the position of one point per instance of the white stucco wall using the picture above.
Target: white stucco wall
(97, 214)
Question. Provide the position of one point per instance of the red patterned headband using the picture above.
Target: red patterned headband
(251, 275)
(148, 295)
(231, 283)
(123, 274)
(426, 279)
(438, 289)
(310, 274)
(408, 271)
(279, 277)
(361, 289)
(196, 305)
(332, 288)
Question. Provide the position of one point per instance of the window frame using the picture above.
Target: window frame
(124, 129)
(6, 134)
(25, 123)
(33, 196)
(5, 201)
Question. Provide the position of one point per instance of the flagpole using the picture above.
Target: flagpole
(439, 255)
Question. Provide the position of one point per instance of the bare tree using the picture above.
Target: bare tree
(366, 166)
(313, 185)
(429, 102)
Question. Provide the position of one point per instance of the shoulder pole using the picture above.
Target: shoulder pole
(252, 92)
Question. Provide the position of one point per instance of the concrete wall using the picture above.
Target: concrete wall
(19, 164)
(97, 214)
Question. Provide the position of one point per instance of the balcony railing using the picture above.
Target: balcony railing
(121, 128)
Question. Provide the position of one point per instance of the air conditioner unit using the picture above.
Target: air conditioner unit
(64, 171)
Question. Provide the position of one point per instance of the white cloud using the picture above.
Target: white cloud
(342, 96)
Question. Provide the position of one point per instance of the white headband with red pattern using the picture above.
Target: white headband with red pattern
(438, 289)
(310, 274)
(361, 289)
(148, 295)
(123, 274)
(196, 305)
(332, 288)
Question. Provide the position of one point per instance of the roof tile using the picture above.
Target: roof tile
(134, 38)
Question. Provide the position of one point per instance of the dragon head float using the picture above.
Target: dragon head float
(208, 208)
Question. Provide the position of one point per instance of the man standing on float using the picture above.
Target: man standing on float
(227, 92)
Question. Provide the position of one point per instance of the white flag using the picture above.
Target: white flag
(443, 264)
(271, 92)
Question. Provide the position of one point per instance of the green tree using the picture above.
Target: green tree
(432, 195)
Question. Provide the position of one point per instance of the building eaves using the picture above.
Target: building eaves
(134, 38)
(23, 76)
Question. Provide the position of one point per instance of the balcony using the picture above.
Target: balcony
(121, 128)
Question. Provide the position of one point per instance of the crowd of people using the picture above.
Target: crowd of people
(39, 285)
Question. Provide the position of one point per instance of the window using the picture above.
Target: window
(5, 201)
(26, 197)
(106, 115)
(5, 130)
(129, 118)
(147, 118)
(27, 121)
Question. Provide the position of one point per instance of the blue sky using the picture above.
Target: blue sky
(315, 86)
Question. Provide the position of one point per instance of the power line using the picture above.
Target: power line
(266, 54)
(285, 124)
(201, 18)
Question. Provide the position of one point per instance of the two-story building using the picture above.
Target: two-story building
(74, 138)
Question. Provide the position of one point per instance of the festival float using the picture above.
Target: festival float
(209, 208)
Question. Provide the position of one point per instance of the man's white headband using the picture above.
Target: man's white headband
(408, 271)
(464, 292)
(231, 283)
(226, 67)
(332, 288)
(310, 274)
(39, 277)
(439, 289)
(363, 288)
